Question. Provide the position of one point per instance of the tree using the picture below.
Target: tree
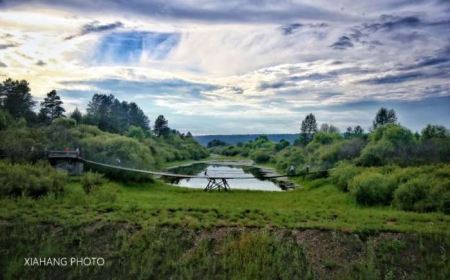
(215, 143)
(76, 115)
(17, 99)
(109, 114)
(5, 119)
(358, 131)
(308, 129)
(137, 117)
(328, 128)
(51, 107)
(99, 111)
(383, 117)
(434, 131)
(161, 127)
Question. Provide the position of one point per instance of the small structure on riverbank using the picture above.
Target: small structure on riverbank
(67, 160)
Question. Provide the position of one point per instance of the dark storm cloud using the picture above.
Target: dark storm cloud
(3, 64)
(94, 27)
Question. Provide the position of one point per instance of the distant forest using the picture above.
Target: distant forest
(234, 139)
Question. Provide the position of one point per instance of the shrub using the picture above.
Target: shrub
(371, 188)
(23, 144)
(136, 132)
(30, 180)
(106, 194)
(343, 174)
(326, 137)
(261, 157)
(65, 122)
(91, 180)
(376, 154)
(413, 195)
(440, 196)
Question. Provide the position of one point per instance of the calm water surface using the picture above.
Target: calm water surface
(213, 170)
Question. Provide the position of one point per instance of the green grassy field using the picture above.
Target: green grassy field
(155, 230)
(317, 204)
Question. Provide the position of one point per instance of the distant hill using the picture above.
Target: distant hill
(233, 139)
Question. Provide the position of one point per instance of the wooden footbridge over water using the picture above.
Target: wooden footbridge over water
(72, 162)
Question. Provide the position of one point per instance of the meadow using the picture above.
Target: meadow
(157, 230)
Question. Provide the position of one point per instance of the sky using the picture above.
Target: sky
(237, 67)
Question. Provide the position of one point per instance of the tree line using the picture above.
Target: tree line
(384, 116)
(104, 111)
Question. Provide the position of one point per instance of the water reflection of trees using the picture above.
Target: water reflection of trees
(192, 169)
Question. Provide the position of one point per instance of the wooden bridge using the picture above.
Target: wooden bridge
(214, 182)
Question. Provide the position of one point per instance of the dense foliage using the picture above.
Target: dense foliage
(91, 180)
(113, 132)
(30, 180)
(367, 165)
(424, 188)
(109, 114)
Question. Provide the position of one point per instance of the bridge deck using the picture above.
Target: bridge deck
(167, 174)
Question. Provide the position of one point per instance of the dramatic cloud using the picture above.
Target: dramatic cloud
(95, 27)
(237, 66)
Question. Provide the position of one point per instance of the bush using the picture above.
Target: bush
(343, 174)
(30, 180)
(371, 188)
(65, 122)
(440, 196)
(325, 138)
(5, 119)
(413, 195)
(91, 180)
(261, 157)
(136, 132)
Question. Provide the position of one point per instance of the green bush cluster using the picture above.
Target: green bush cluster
(91, 180)
(424, 193)
(372, 188)
(30, 180)
(422, 189)
(343, 174)
(25, 144)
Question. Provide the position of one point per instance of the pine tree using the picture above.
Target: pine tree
(51, 107)
(76, 115)
(161, 127)
(16, 98)
(308, 129)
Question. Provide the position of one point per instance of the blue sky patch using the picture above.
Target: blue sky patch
(128, 47)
